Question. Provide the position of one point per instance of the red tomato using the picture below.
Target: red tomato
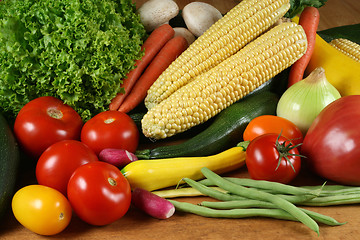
(110, 129)
(272, 124)
(58, 162)
(44, 121)
(332, 143)
(265, 159)
(99, 193)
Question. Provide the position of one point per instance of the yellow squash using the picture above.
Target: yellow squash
(161, 173)
(340, 70)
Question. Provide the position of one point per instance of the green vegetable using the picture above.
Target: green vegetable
(233, 213)
(227, 128)
(181, 192)
(235, 209)
(240, 198)
(78, 51)
(260, 195)
(136, 117)
(211, 192)
(275, 187)
(231, 194)
(297, 6)
(351, 32)
(9, 161)
(320, 218)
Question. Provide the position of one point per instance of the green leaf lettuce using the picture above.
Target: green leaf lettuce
(76, 50)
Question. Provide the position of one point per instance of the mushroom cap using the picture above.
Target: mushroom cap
(199, 16)
(154, 13)
(181, 31)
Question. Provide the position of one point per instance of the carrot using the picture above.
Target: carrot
(309, 20)
(163, 59)
(152, 45)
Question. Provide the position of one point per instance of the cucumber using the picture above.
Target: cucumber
(224, 132)
(9, 161)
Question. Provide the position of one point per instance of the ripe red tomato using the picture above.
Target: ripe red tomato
(110, 129)
(44, 121)
(272, 124)
(332, 143)
(99, 193)
(265, 159)
(58, 162)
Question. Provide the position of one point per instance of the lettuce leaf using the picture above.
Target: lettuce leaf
(297, 6)
(76, 50)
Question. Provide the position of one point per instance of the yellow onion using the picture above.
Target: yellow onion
(304, 100)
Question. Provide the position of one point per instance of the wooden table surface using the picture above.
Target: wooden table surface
(138, 226)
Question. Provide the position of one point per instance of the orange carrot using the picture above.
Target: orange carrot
(152, 45)
(163, 59)
(309, 20)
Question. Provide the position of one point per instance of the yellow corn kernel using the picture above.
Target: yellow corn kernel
(221, 86)
(239, 26)
(347, 47)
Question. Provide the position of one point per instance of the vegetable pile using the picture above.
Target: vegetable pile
(86, 82)
(77, 51)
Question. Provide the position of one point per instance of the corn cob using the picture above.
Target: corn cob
(216, 89)
(239, 26)
(347, 47)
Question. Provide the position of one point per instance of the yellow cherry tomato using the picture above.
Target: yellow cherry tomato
(41, 209)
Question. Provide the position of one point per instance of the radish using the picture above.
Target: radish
(117, 157)
(152, 204)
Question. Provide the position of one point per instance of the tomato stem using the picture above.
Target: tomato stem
(284, 151)
(112, 181)
(109, 120)
(243, 144)
(55, 113)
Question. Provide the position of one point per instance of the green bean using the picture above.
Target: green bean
(232, 213)
(182, 192)
(322, 218)
(223, 196)
(246, 203)
(211, 192)
(273, 187)
(296, 199)
(333, 200)
(346, 191)
(258, 195)
(261, 204)
(333, 187)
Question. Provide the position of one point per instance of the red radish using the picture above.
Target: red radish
(309, 20)
(152, 204)
(117, 157)
(152, 45)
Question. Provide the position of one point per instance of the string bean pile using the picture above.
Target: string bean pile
(243, 198)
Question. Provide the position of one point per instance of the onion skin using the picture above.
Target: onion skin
(332, 143)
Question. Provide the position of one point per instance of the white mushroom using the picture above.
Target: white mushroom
(181, 31)
(199, 16)
(154, 13)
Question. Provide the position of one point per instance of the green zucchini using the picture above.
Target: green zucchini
(351, 32)
(224, 132)
(136, 117)
(9, 161)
